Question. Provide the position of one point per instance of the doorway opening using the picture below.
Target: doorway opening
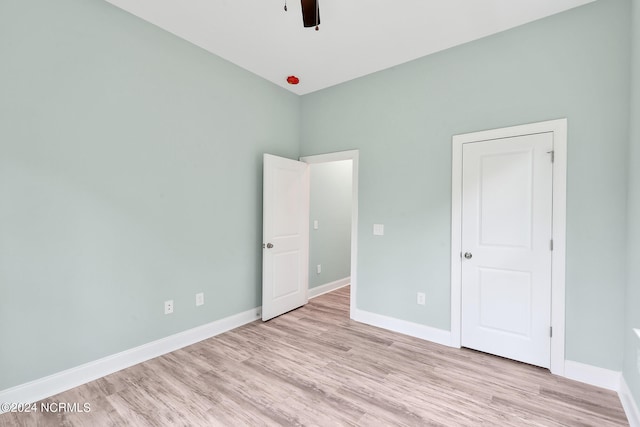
(333, 223)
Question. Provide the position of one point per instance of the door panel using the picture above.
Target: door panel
(285, 254)
(288, 193)
(505, 301)
(286, 272)
(506, 199)
(506, 230)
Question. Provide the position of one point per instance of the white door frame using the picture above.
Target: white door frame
(559, 129)
(353, 156)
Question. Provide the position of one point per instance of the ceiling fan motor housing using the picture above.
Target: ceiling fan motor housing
(310, 13)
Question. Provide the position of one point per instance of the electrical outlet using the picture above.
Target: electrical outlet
(315, 224)
(168, 307)
(638, 360)
(319, 268)
(421, 298)
(200, 299)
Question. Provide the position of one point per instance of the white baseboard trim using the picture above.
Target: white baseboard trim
(328, 287)
(405, 327)
(605, 378)
(629, 404)
(588, 374)
(62, 381)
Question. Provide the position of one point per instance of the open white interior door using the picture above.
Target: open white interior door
(285, 253)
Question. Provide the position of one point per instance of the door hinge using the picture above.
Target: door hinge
(550, 331)
(551, 244)
(553, 155)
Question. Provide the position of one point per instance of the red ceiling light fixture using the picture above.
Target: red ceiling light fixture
(293, 80)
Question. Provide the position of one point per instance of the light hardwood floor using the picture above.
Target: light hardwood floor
(314, 366)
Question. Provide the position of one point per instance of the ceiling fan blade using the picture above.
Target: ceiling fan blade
(310, 13)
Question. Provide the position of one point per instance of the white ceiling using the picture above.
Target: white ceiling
(356, 37)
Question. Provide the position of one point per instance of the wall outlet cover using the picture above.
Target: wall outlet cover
(199, 299)
(168, 306)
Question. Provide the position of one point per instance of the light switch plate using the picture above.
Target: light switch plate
(315, 224)
(378, 229)
(421, 298)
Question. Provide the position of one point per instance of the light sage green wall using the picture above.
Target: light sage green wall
(632, 347)
(330, 204)
(130, 173)
(575, 65)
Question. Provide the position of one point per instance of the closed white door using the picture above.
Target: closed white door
(285, 253)
(506, 247)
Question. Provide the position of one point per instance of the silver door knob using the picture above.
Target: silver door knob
(269, 245)
(468, 255)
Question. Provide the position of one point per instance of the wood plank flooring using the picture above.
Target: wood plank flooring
(315, 367)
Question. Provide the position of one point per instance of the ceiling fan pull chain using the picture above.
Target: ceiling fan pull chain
(285, 5)
(317, 14)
